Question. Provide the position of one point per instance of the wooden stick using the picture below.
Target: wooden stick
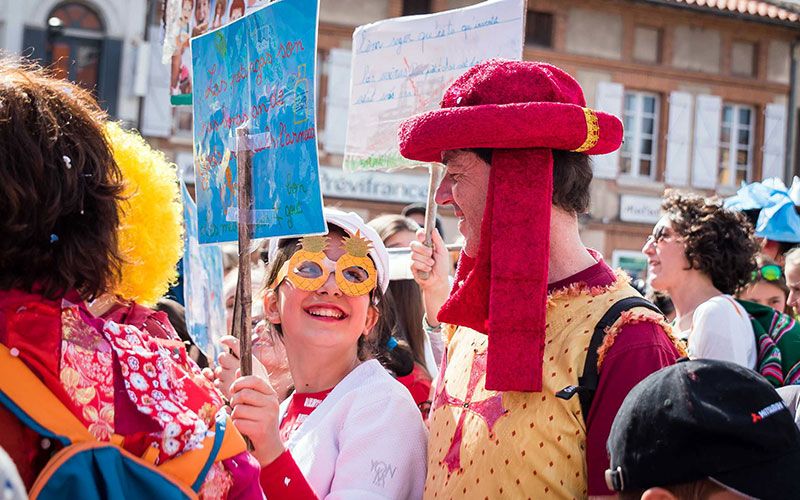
(244, 289)
(437, 170)
(244, 180)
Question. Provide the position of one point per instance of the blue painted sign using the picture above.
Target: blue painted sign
(259, 71)
(202, 283)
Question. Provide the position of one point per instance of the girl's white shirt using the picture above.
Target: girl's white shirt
(721, 329)
(431, 361)
(366, 439)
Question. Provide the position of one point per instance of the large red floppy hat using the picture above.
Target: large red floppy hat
(522, 110)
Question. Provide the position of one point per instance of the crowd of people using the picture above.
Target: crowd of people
(534, 370)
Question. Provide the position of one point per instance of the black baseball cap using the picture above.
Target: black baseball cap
(705, 419)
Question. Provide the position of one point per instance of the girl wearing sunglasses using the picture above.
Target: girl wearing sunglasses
(349, 430)
(768, 286)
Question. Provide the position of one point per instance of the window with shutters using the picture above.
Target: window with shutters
(640, 117)
(736, 144)
(539, 29)
(74, 47)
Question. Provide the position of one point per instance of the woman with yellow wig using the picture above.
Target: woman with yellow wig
(150, 235)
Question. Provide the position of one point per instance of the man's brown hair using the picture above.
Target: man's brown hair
(572, 176)
(59, 186)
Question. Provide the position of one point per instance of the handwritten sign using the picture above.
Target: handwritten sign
(258, 70)
(202, 283)
(402, 67)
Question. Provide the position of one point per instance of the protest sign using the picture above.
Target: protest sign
(401, 67)
(258, 70)
(202, 283)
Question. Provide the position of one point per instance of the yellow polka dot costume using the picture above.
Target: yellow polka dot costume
(151, 225)
(489, 444)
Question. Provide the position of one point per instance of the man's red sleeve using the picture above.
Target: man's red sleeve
(282, 479)
(638, 350)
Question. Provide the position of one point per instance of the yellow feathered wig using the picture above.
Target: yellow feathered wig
(151, 225)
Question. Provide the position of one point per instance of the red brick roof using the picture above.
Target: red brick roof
(779, 12)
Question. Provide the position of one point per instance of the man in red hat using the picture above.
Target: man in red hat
(528, 296)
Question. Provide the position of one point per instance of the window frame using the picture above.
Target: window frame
(64, 7)
(635, 152)
(733, 146)
(72, 42)
(533, 12)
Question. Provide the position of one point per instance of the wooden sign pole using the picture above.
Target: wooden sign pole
(437, 171)
(244, 178)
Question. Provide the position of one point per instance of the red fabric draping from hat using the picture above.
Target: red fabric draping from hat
(511, 263)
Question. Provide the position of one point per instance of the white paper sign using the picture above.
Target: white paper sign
(401, 67)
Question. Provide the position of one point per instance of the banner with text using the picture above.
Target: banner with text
(401, 67)
(202, 283)
(258, 70)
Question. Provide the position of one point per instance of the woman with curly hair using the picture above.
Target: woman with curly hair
(150, 235)
(700, 254)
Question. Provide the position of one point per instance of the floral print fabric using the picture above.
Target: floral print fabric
(87, 373)
(156, 375)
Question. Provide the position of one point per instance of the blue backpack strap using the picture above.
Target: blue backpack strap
(219, 436)
(192, 467)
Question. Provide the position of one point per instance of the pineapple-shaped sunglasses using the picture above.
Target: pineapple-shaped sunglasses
(309, 267)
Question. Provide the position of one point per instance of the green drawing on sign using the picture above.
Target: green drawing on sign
(220, 43)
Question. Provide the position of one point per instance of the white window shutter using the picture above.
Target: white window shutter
(705, 161)
(774, 140)
(337, 99)
(157, 111)
(609, 99)
(679, 139)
